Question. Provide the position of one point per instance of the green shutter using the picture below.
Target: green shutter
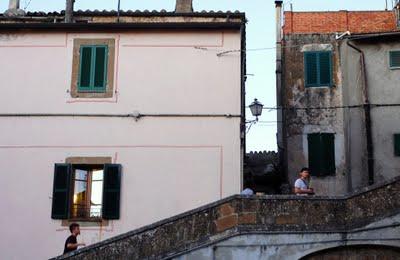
(100, 67)
(314, 153)
(328, 154)
(318, 69)
(321, 154)
(93, 68)
(394, 57)
(311, 68)
(85, 67)
(397, 145)
(111, 191)
(325, 70)
(61, 191)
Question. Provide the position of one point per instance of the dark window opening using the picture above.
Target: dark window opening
(321, 154)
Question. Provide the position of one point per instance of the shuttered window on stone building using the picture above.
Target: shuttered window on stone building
(321, 154)
(394, 59)
(318, 69)
(397, 145)
(93, 68)
(77, 194)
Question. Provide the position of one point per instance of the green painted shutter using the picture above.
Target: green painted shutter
(100, 66)
(394, 57)
(314, 153)
(397, 144)
(85, 69)
(328, 154)
(321, 154)
(311, 69)
(111, 191)
(325, 68)
(61, 191)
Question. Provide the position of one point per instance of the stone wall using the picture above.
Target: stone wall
(237, 215)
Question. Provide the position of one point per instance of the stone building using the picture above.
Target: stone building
(338, 97)
(115, 119)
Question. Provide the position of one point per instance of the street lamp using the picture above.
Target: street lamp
(256, 108)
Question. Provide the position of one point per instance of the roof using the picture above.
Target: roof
(124, 20)
(339, 21)
(136, 13)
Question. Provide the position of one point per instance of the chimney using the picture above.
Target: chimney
(13, 9)
(184, 6)
(69, 10)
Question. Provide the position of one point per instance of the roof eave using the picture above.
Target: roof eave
(120, 26)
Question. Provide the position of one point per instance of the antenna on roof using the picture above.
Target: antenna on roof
(386, 5)
(118, 9)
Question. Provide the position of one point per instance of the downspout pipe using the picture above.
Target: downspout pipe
(281, 135)
(367, 115)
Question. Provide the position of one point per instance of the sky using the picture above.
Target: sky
(260, 34)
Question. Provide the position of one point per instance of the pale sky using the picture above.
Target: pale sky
(260, 34)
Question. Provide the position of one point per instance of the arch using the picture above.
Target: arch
(355, 252)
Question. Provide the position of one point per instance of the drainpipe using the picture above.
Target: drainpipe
(279, 93)
(69, 11)
(367, 115)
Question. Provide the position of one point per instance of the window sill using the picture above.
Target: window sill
(86, 222)
(325, 86)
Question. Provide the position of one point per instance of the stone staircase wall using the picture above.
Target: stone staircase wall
(246, 215)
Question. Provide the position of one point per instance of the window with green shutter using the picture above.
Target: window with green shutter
(394, 59)
(397, 145)
(321, 154)
(93, 68)
(318, 68)
(86, 191)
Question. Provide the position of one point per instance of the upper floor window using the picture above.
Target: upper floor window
(93, 68)
(394, 59)
(318, 68)
(86, 192)
(321, 154)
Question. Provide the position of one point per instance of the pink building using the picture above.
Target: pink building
(115, 121)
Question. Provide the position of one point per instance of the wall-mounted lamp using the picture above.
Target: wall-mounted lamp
(256, 108)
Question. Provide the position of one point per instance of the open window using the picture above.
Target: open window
(86, 192)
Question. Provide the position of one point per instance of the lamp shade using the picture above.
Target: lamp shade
(256, 108)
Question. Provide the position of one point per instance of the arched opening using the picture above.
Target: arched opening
(356, 252)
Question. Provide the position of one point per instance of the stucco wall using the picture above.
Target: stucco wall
(300, 122)
(170, 165)
(383, 89)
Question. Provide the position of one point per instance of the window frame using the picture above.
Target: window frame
(390, 60)
(108, 91)
(92, 88)
(90, 168)
(318, 84)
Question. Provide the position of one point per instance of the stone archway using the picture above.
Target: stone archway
(356, 252)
